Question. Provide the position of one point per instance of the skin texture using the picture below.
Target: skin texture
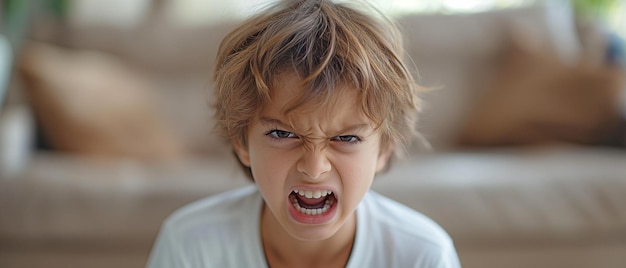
(331, 147)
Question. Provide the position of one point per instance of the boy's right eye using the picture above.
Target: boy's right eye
(281, 134)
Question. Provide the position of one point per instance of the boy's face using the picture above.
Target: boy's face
(313, 175)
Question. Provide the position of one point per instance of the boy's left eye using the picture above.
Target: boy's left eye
(347, 138)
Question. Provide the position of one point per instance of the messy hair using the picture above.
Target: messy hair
(327, 44)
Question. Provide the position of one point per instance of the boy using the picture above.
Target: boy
(315, 99)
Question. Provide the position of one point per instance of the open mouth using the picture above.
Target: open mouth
(312, 203)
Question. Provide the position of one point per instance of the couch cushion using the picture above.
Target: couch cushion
(554, 196)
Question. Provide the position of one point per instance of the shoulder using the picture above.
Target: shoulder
(402, 219)
(213, 210)
(209, 222)
(195, 234)
(411, 237)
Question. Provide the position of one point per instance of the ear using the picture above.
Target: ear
(383, 159)
(242, 153)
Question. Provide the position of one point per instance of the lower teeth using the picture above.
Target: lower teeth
(313, 211)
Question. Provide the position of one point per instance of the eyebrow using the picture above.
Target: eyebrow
(279, 123)
(272, 121)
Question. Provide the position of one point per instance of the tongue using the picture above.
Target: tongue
(311, 202)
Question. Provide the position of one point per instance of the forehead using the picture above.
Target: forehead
(335, 106)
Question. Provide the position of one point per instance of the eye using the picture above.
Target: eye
(347, 139)
(281, 134)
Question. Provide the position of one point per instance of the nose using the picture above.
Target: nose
(314, 163)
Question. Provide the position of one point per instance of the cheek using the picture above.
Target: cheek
(357, 168)
(269, 163)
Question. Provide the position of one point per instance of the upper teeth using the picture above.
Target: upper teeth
(313, 194)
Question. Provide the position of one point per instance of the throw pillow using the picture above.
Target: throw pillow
(91, 103)
(537, 99)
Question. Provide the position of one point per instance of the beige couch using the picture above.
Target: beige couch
(557, 206)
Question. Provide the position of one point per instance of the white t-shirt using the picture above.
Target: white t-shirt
(224, 231)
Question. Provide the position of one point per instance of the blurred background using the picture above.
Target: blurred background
(106, 126)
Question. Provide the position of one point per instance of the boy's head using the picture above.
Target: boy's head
(328, 48)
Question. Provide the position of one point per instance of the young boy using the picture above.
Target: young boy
(315, 99)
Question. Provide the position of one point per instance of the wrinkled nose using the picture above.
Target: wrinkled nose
(314, 164)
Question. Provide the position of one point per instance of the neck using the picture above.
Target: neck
(283, 250)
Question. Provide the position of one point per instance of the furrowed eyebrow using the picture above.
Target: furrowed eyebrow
(355, 128)
(273, 122)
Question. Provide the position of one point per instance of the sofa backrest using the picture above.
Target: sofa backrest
(459, 54)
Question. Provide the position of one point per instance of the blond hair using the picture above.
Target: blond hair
(326, 44)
